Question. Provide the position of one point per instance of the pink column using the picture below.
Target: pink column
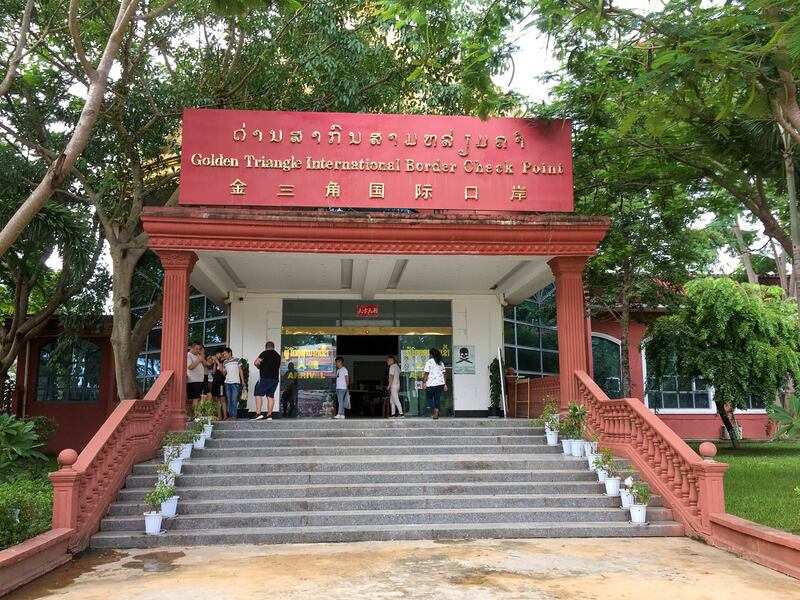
(570, 313)
(65, 491)
(175, 331)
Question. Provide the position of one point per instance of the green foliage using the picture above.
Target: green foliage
(641, 493)
(176, 438)
(160, 493)
(33, 497)
(495, 389)
(605, 461)
(18, 439)
(742, 339)
(43, 427)
(787, 419)
(206, 408)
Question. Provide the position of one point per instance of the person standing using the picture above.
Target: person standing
(269, 367)
(342, 385)
(434, 380)
(289, 395)
(394, 386)
(234, 380)
(218, 384)
(195, 371)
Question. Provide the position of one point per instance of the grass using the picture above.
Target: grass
(760, 482)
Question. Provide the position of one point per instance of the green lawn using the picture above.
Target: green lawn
(760, 482)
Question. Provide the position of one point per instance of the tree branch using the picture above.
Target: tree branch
(90, 71)
(16, 56)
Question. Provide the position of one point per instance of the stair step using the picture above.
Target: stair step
(272, 535)
(323, 423)
(369, 489)
(375, 502)
(368, 432)
(237, 450)
(271, 441)
(427, 515)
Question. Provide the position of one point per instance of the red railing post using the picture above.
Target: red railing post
(65, 491)
(710, 476)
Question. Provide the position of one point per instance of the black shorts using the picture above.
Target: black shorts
(218, 389)
(266, 387)
(194, 390)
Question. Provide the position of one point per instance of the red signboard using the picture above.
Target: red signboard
(344, 160)
(367, 310)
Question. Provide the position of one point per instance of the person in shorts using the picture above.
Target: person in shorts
(195, 371)
(218, 385)
(269, 367)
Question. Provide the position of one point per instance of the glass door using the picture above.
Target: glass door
(413, 356)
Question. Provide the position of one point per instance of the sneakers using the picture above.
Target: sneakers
(401, 416)
(339, 417)
(259, 417)
(269, 418)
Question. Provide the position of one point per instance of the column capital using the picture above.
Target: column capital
(177, 260)
(566, 265)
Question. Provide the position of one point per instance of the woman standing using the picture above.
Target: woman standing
(434, 380)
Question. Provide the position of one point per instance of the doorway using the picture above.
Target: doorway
(365, 359)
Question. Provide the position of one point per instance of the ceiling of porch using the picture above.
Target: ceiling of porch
(515, 278)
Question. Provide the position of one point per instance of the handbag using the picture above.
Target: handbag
(243, 395)
(347, 401)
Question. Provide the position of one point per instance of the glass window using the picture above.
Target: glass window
(549, 338)
(508, 332)
(197, 308)
(154, 340)
(529, 360)
(677, 392)
(511, 357)
(69, 372)
(216, 332)
(527, 335)
(213, 311)
(607, 365)
(195, 333)
(549, 362)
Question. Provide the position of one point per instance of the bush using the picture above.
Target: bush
(33, 496)
(43, 427)
(17, 440)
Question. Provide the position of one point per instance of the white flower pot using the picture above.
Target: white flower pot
(186, 451)
(626, 497)
(590, 447)
(207, 429)
(169, 508)
(567, 446)
(170, 450)
(176, 465)
(590, 458)
(638, 514)
(152, 523)
(200, 442)
(552, 438)
(612, 486)
(166, 478)
(601, 475)
(577, 448)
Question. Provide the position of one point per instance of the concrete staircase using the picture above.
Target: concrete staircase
(338, 481)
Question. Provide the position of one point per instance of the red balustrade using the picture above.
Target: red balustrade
(86, 484)
(527, 396)
(688, 484)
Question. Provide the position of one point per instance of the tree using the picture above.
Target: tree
(110, 24)
(395, 56)
(31, 293)
(702, 87)
(742, 339)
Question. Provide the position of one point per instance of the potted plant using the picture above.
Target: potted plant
(198, 434)
(641, 498)
(154, 498)
(551, 430)
(611, 469)
(495, 389)
(598, 467)
(206, 411)
(169, 506)
(550, 414)
(625, 494)
(172, 444)
(576, 416)
(590, 442)
(165, 474)
(186, 441)
(565, 433)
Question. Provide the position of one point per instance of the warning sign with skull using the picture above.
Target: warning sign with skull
(464, 360)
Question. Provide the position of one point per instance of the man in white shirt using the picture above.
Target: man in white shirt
(195, 372)
(234, 381)
(342, 385)
(394, 386)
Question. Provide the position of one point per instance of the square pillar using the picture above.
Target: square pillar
(175, 329)
(571, 321)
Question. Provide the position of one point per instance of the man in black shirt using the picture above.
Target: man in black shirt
(269, 366)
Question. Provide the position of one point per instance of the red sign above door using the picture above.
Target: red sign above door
(367, 310)
(344, 160)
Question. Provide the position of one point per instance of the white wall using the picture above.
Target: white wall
(477, 321)
(254, 321)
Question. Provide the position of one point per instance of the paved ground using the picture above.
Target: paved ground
(620, 569)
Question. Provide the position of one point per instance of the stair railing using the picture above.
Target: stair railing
(87, 483)
(688, 484)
